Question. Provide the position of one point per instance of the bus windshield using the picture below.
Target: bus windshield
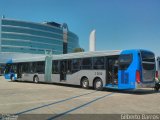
(9, 68)
(148, 60)
(147, 56)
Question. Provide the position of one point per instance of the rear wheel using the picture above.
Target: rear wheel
(157, 87)
(98, 84)
(35, 79)
(85, 83)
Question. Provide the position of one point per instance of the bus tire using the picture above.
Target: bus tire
(85, 83)
(12, 78)
(157, 87)
(35, 79)
(98, 84)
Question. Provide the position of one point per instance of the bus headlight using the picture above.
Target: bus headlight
(15, 75)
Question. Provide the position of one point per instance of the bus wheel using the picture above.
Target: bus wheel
(98, 84)
(35, 79)
(157, 87)
(12, 78)
(85, 83)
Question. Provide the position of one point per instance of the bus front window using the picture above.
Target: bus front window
(148, 66)
(10, 68)
(7, 69)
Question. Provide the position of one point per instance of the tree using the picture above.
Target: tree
(78, 50)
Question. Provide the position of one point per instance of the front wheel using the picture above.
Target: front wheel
(35, 79)
(98, 84)
(85, 83)
(12, 78)
(157, 87)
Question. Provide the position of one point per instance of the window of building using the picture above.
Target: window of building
(64, 48)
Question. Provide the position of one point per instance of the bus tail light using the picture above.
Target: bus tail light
(156, 74)
(138, 77)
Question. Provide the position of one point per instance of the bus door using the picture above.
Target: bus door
(112, 71)
(63, 70)
(19, 70)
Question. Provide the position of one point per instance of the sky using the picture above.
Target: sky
(119, 24)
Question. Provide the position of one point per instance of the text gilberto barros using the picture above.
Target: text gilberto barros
(140, 116)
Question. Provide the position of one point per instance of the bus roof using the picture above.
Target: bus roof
(86, 54)
(33, 57)
(30, 58)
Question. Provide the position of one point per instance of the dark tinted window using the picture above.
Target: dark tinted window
(86, 63)
(40, 67)
(98, 63)
(64, 48)
(7, 68)
(147, 66)
(31, 67)
(55, 67)
(69, 66)
(76, 65)
(124, 61)
(63, 66)
(147, 56)
(25, 67)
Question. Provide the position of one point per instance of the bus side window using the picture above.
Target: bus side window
(69, 66)
(75, 65)
(98, 63)
(55, 67)
(87, 63)
(40, 67)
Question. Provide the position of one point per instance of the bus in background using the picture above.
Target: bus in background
(126, 69)
(158, 68)
(157, 85)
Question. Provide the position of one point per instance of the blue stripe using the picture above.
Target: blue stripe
(29, 110)
(76, 108)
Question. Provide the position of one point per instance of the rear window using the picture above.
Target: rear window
(124, 61)
(147, 56)
(147, 66)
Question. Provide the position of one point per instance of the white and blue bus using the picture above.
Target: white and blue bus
(126, 69)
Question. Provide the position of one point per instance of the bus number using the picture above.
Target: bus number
(98, 73)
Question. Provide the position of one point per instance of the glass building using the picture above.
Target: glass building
(36, 38)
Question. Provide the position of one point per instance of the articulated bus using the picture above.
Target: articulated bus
(126, 69)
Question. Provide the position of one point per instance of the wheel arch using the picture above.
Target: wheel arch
(82, 78)
(97, 77)
(35, 76)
